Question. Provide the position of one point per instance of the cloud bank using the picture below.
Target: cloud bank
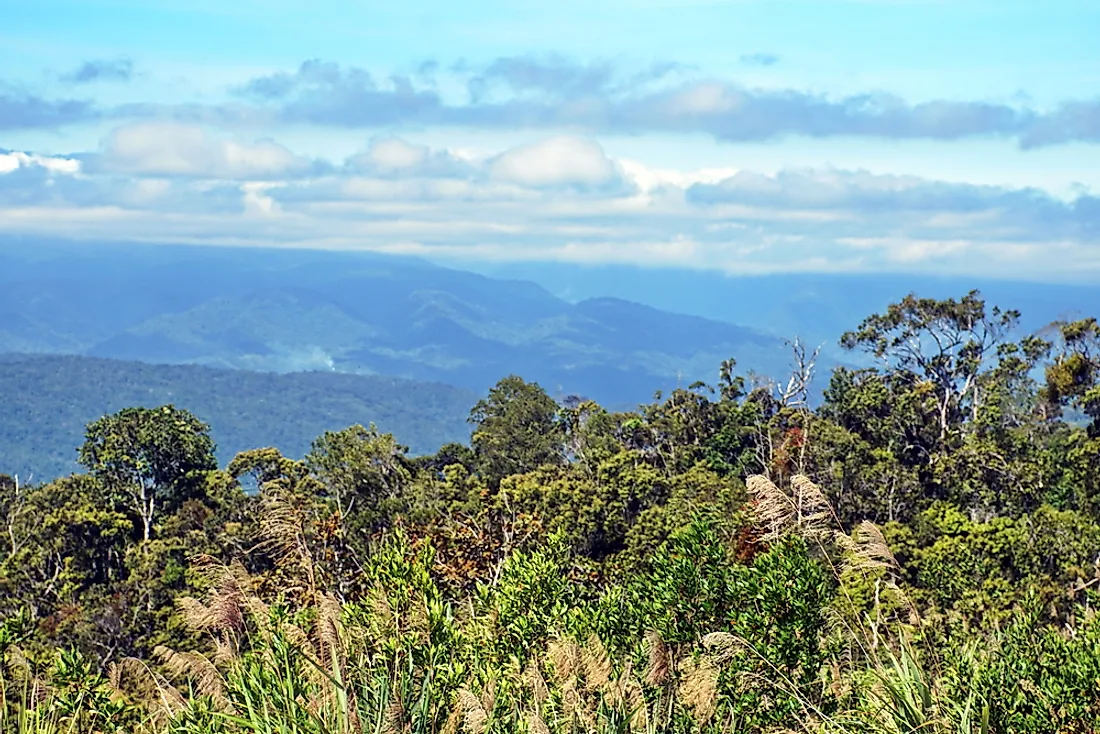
(560, 197)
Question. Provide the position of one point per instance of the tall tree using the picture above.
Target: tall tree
(516, 430)
(359, 467)
(947, 343)
(149, 459)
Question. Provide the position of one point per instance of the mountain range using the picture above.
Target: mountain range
(287, 311)
(816, 307)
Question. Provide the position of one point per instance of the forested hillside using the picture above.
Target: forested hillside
(45, 402)
(920, 552)
(287, 311)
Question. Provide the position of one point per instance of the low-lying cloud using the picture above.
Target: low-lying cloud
(556, 198)
(174, 149)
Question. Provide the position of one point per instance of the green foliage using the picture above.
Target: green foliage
(707, 563)
(516, 430)
(149, 459)
(49, 399)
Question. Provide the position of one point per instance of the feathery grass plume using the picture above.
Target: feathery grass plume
(299, 638)
(222, 614)
(536, 724)
(203, 674)
(772, 509)
(698, 689)
(565, 659)
(597, 664)
(660, 659)
(475, 717)
(16, 663)
(723, 646)
(805, 511)
(867, 550)
(532, 676)
(132, 678)
(489, 694)
(814, 511)
(329, 631)
(225, 653)
(454, 719)
(282, 532)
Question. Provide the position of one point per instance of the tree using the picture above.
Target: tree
(516, 430)
(361, 469)
(1074, 375)
(150, 460)
(946, 342)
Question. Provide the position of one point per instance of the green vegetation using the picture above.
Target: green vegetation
(920, 553)
(47, 400)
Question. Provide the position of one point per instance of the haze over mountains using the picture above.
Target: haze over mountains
(817, 307)
(285, 311)
(420, 341)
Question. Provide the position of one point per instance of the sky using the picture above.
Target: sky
(745, 136)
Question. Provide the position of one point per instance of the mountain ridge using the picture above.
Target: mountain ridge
(363, 313)
(48, 399)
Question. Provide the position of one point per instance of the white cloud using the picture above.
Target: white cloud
(396, 153)
(173, 149)
(15, 160)
(557, 161)
(561, 198)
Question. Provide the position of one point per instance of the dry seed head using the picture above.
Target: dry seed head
(699, 688)
(867, 550)
(597, 665)
(660, 659)
(489, 695)
(565, 659)
(772, 509)
(282, 533)
(132, 677)
(532, 676)
(474, 714)
(454, 719)
(207, 679)
(814, 510)
(722, 646)
(329, 630)
(535, 723)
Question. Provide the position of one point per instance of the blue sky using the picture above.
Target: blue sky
(747, 136)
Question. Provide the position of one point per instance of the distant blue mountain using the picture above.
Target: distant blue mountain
(816, 307)
(287, 310)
